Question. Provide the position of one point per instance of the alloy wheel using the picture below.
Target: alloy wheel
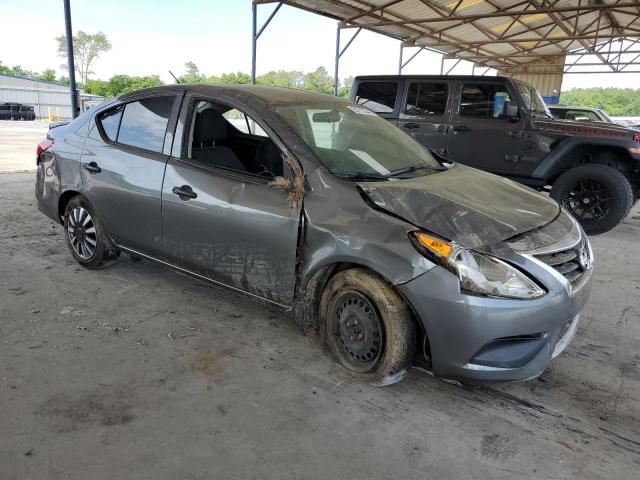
(82, 233)
(588, 200)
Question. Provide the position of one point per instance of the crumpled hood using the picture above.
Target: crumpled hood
(465, 205)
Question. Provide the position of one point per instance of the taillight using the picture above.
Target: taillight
(43, 146)
(636, 137)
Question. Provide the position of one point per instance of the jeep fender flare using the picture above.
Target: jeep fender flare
(557, 160)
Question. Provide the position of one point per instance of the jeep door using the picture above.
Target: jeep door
(481, 135)
(424, 112)
(221, 218)
(123, 165)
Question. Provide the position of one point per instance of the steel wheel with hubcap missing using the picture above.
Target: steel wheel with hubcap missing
(367, 327)
(359, 330)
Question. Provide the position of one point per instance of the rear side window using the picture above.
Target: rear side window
(144, 123)
(378, 96)
(485, 100)
(110, 121)
(427, 99)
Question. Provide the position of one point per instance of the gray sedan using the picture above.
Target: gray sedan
(316, 205)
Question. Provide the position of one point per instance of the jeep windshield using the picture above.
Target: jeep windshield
(533, 100)
(353, 142)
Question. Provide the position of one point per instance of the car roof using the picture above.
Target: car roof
(272, 95)
(430, 77)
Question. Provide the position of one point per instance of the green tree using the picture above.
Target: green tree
(192, 74)
(86, 50)
(119, 84)
(618, 102)
(282, 78)
(345, 89)
(318, 81)
(48, 75)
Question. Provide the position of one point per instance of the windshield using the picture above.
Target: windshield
(532, 99)
(352, 141)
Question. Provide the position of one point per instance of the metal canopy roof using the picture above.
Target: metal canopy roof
(509, 35)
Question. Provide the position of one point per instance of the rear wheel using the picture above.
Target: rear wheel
(599, 196)
(367, 327)
(86, 235)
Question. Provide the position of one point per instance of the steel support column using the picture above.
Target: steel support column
(255, 35)
(339, 54)
(402, 65)
(70, 60)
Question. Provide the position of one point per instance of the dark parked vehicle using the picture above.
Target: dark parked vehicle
(502, 126)
(316, 205)
(16, 111)
(579, 114)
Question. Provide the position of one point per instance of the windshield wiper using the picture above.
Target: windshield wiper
(413, 168)
(360, 176)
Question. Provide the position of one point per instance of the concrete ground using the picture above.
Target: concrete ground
(137, 372)
(18, 142)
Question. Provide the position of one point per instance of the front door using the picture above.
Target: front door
(481, 135)
(424, 113)
(123, 165)
(223, 220)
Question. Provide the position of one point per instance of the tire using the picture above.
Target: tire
(86, 235)
(599, 196)
(367, 327)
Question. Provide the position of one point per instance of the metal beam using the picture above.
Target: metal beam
(70, 59)
(255, 34)
(505, 13)
(475, 43)
(339, 54)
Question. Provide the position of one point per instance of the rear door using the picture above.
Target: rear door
(424, 113)
(123, 166)
(481, 135)
(380, 96)
(229, 225)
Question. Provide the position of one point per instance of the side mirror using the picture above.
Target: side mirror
(511, 110)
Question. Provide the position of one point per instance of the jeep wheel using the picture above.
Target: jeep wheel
(599, 196)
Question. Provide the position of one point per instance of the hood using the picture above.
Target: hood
(590, 129)
(465, 205)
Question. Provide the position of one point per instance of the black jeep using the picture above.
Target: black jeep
(503, 126)
(16, 111)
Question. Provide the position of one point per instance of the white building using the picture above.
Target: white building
(46, 97)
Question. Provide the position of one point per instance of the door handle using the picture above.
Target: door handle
(185, 192)
(92, 167)
(461, 128)
(411, 125)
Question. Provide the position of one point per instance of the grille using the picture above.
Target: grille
(568, 262)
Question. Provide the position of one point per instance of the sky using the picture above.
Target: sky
(152, 37)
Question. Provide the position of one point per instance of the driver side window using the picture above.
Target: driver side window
(227, 138)
(484, 100)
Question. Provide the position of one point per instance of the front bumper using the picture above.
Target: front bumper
(483, 338)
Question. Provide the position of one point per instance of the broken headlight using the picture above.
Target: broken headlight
(479, 273)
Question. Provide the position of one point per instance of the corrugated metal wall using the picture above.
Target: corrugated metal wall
(545, 75)
(45, 97)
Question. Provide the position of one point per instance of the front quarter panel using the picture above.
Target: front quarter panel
(342, 227)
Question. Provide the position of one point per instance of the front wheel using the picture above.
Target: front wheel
(599, 196)
(86, 235)
(367, 327)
